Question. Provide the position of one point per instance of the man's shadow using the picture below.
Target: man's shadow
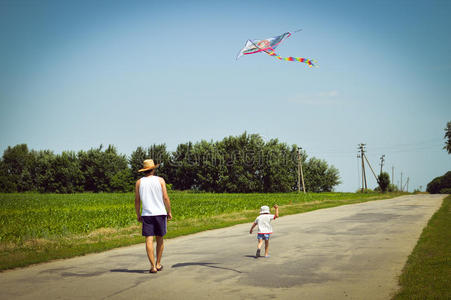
(187, 264)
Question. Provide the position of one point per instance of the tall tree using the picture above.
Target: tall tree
(319, 176)
(43, 171)
(99, 167)
(240, 165)
(136, 161)
(68, 177)
(17, 162)
(448, 137)
(207, 166)
(7, 184)
(161, 156)
(183, 166)
(279, 167)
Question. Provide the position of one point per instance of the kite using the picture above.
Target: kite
(268, 46)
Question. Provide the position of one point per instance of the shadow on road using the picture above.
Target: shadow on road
(204, 264)
(130, 271)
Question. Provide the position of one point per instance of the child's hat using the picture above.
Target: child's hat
(264, 209)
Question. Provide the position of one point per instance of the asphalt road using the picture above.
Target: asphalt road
(347, 252)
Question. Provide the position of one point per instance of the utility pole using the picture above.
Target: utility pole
(362, 151)
(392, 175)
(358, 171)
(407, 184)
(382, 161)
(377, 179)
(300, 173)
(400, 186)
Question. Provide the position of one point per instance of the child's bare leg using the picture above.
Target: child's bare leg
(259, 246)
(260, 243)
(266, 247)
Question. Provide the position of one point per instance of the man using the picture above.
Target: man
(156, 211)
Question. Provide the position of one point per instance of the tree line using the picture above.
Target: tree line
(236, 164)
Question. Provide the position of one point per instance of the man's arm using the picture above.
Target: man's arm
(167, 202)
(276, 207)
(138, 202)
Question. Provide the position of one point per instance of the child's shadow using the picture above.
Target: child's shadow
(204, 264)
(251, 256)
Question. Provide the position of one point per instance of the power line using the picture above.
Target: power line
(387, 149)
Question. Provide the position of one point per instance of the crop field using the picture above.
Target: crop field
(39, 227)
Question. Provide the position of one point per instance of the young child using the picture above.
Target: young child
(264, 228)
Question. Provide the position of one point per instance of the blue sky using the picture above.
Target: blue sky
(78, 74)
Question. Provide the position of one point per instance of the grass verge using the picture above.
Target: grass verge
(31, 250)
(427, 273)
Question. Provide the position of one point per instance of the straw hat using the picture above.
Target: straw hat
(264, 209)
(148, 164)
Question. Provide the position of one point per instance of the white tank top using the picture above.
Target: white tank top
(151, 195)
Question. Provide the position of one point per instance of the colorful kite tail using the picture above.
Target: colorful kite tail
(309, 62)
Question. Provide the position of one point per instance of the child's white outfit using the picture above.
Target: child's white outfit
(264, 223)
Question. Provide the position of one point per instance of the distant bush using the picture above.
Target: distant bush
(439, 185)
(384, 181)
(392, 188)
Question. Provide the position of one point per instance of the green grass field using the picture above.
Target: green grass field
(41, 227)
(427, 273)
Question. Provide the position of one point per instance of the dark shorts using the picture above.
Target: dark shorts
(154, 225)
